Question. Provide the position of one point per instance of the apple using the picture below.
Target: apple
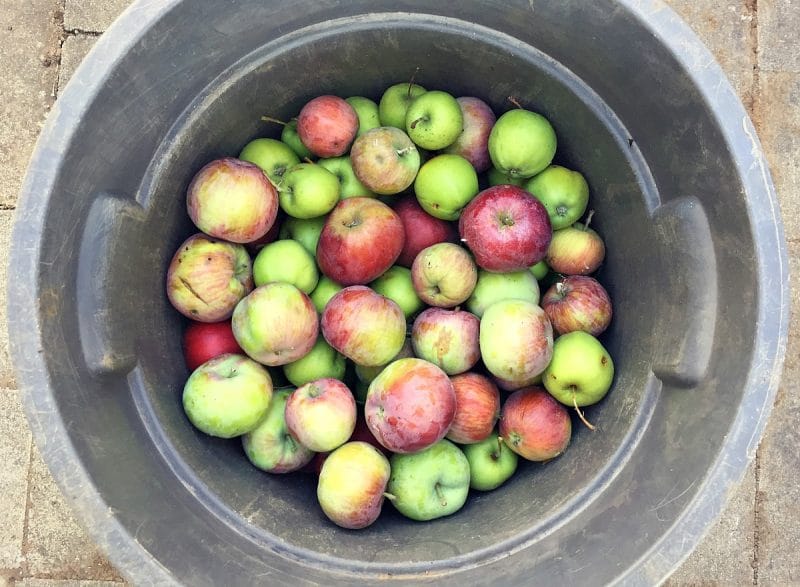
(352, 483)
(445, 184)
(447, 338)
(368, 374)
(444, 275)
(321, 414)
(506, 385)
(327, 126)
(321, 362)
(325, 290)
(581, 371)
(290, 137)
(434, 120)
(270, 446)
(578, 302)
(575, 250)
(431, 483)
(287, 261)
(539, 270)
(496, 177)
(494, 287)
(361, 239)
(473, 142)
(274, 157)
(367, 112)
(491, 463)
(516, 340)
(253, 247)
(421, 229)
(394, 103)
(534, 425)
(203, 341)
(227, 396)
(506, 229)
(207, 277)
(477, 408)
(385, 160)
(276, 324)
(232, 200)
(396, 284)
(308, 190)
(305, 231)
(564, 193)
(522, 143)
(410, 405)
(364, 326)
(342, 168)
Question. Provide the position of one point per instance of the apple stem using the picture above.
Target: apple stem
(439, 493)
(411, 82)
(560, 288)
(588, 424)
(389, 496)
(404, 151)
(308, 160)
(499, 444)
(418, 120)
(275, 120)
(588, 220)
(514, 101)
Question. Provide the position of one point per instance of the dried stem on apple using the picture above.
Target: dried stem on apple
(389, 496)
(308, 160)
(411, 82)
(514, 101)
(275, 120)
(588, 424)
(588, 220)
(439, 493)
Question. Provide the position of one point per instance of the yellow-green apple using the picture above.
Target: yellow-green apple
(352, 484)
(367, 112)
(434, 120)
(322, 361)
(305, 231)
(431, 483)
(445, 184)
(342, 168)
(496, 177)
(232, 200)
(539, 270)
(385, 160)
(394, 103)
(495, 287)
(516, 340)
(203, 341)
(575, 250)
(581, 371)
(534, 425)
(364, 326)
(367, 374)
(506, 229)
(361, 239)
(410, 405)
(207, 277)
(473, 142)
(275, 324)
(522, 143)
(491, 463)
(274, 157)
(227, 396)
(563, 192)
(270, 446)
(444, 275)
(421, 229)
(290, 137)
(325, 290)
(321, 414)
(578, 302)
(287, 261)
(308, 190)
(477, 408)
(396, 284)
(447, 338)
(327, 126)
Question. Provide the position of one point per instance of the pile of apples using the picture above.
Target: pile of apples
(365, 303)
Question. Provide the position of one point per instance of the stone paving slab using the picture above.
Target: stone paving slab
(7, 377)
(65, 583)
(73, 51)
(92, 15)
(778, 26)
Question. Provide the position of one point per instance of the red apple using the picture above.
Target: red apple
(578, 303)
(321, 415)
(575, 250)
(477, 408)
(447, 338)
(506, 229)
(327, 125)
(410, 405)
(444, 275)
(534, 425)
(473, 142)
(421, 229)
(361, 239)
(205, 340)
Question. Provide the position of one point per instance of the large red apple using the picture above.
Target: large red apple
(361, 239)
(421, 229)
(578, 303)
(327, 125)
(203, 341)
(506, 228)
(477, 408)
(534, 425)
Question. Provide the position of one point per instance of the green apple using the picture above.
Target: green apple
(431, 483)
(522, 143)
(325, 290)
(396, 284)
(497, 177)
(367, 112)
(362, 388)
(305, 231)
(540, 270)
(287, 261)
(564, 193)
(444, 185)
(494, 287)
(581, 370)
(272, 156)
(292, 139)
(227, 396)
(321, 362)
(491, 463)
(308, 190)
(394, 103)
(367, 374)
(342, 168)
(434, 120)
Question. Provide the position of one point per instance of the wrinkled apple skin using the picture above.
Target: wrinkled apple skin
(534, 425)
(473, 142)
(575, 250)
(321, 414)
(447, 338)
(444, 275)
(578, 302)
(477, 408)
(327, 126)
(207, 278)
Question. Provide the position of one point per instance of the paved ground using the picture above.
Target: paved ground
(757, 539)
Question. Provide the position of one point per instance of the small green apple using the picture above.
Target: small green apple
(396, 284)
(564, 193)
(367, 112)
(321, 362)
(272, 156)
(325, 290)
(444, 185)
(434, 120)
(305, 231)
(394, 103)
(287, 261)
(522, 143)
(581, 370)
(350, 185)
(494, 287)
(308, 190)
(491, 463)
(292, 139)
(540, 270)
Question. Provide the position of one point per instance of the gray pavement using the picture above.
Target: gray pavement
(756, 540)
